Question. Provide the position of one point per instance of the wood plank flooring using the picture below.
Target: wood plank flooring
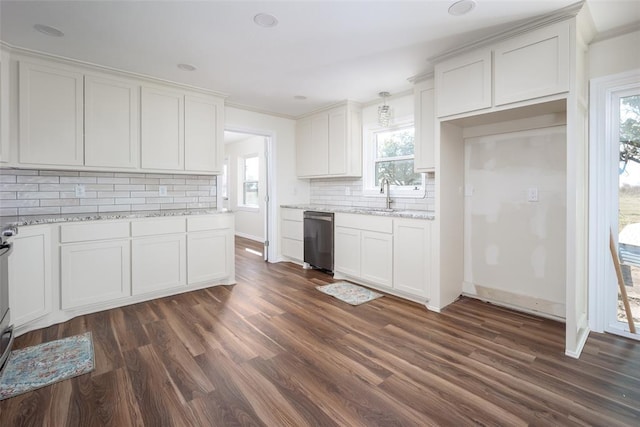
(273, 351)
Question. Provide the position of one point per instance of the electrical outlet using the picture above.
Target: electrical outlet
(162, 190)
(80, 190)
(532, 194)
(212, 190)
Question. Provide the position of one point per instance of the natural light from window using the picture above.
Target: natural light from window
(250, 181)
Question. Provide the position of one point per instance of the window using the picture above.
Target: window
(249, 179)
(389, 154)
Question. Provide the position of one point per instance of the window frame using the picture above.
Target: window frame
(371, 188)
(242, 181)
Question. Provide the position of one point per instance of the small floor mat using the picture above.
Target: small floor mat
(38, 366)
(349, 293)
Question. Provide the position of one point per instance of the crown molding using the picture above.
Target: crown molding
(617, 32)
(421, 77)
(258, 110)
(101, 68)
(559, 15)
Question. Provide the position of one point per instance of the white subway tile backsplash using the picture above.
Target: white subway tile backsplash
(33, 192)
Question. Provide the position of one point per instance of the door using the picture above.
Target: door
(158, 263)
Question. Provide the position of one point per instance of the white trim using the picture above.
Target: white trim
(249, 236)
(602, 178)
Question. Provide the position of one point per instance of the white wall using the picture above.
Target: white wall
(614, 55)
(515, 249)
(249, 221)
(286, 188)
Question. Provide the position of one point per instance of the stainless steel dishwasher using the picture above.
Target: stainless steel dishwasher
(318, 240)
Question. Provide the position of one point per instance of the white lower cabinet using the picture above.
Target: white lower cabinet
(95, 272)
(392, 253)
(30, 275)
(412, 256)
(377, 258)
(291, 231)
(208, 257)
(158, 263)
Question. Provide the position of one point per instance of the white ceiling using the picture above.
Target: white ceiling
(327, 51)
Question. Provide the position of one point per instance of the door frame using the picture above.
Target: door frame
(270, 201)
(604, 119)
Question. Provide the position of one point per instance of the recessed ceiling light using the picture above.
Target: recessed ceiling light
(462, 7)
(187, 67)
(50, 31)
(265, 20)
(300, 97)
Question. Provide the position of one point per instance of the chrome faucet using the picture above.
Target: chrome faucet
(385, 183)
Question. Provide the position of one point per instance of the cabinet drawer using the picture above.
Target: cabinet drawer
(94, 231)
(292, 214)
(292, 230)
(153, 227)
(211, 222)
(365, 222)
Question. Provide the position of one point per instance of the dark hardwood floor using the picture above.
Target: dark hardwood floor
(273, 351)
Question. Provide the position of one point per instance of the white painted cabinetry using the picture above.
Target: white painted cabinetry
(425, 116)
(329, 143)
(4, 106)
(412, 263)
(210, 248)
(364, 248)
(532, 65)
(158, 255)
(93, 270)
(30, 275)
(111, 120)
(463, 83)
(50, 115)
(527, 66)
(203, 133)
(291, 233)
(162, 129)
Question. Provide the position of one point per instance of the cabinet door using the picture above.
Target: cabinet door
(532, 65)
(4, 106)
(337, 141)
(377, 258)
(30, 275)
(94, 272)
(424, 127)
(312, 146)
(162, 129)
(50, 124)
(158, 263)
(463, 83)
(208, 255)
(347, 251)
(111, 111)
(203, 128)
(412, 256)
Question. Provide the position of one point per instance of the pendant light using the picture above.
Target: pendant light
(384, 111)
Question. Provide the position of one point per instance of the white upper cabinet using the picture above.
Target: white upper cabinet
(464, 83)
(50, 125)
(203, 134)
(111, 111)
(532, 65)
(525, 67)
(162, 129)
(4, 106)
(424, 110)
(329, 143)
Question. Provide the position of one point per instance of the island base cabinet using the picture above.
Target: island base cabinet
(29, 268)
(158, 263)
(207, 255)
(94, 272)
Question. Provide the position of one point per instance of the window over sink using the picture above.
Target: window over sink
(389, 154)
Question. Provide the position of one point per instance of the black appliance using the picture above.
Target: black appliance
(318, 240)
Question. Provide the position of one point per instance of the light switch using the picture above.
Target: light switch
(532, 194)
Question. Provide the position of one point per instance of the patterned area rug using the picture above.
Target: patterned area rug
(349, 293)
(41, 365)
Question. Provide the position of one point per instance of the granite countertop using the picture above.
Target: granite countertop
(21, 221)
(402, 213)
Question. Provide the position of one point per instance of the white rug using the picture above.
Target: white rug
(349, 293)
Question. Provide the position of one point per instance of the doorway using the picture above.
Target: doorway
(615, 201)
(245, 187)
